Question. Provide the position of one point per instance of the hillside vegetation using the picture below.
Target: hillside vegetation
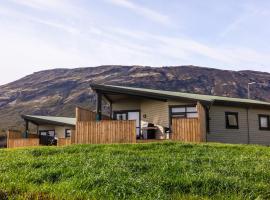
(57, 92)
(136, 171)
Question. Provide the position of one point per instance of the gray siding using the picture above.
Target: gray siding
(157, 112)
(258, 136)
(248, 132)
(219, 132)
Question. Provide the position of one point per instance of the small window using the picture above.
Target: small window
(232, 120)
(264, 122)
(68, 133)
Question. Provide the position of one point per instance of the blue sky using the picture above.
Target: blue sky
(45, 34)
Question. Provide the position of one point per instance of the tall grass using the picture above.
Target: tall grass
(140, 171)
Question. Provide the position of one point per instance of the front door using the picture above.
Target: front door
(129, 115)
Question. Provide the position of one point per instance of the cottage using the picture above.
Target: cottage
(48, 127)
(186, 116)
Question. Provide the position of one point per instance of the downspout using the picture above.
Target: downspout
(248, 133)
(208, 118)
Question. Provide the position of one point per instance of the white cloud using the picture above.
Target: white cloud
(186, 50)
(143, 11)
(39, 4)
(28, 45)
(240, 20)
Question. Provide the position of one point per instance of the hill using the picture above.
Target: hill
(57, 91)
(136, 171)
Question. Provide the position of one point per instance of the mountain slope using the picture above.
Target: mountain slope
(57, 91)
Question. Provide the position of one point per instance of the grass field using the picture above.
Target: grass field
(140, 171)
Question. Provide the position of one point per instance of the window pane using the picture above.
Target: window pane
(192, 115)
(43, 133)
(118, 116)
(232, 120)
(68, 133)
(51, 133)
(121, 116)
(180, 109)
(124, 117)
(264, 122)
(191, 109)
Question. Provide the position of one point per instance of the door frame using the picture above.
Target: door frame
(126, 112)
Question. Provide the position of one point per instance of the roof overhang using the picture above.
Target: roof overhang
(40, 121)
(240, 104)
(107, 90)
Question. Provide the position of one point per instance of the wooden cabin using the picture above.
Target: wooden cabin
(186, 116)
(144, 115)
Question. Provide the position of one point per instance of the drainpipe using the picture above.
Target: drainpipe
(208, 118)
(248, 133)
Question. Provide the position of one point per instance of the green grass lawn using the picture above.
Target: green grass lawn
(139, 171)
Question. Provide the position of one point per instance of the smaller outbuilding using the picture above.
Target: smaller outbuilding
(51, 128)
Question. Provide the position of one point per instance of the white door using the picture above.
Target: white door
(135, 116)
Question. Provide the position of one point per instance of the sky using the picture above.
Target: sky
(44, 34)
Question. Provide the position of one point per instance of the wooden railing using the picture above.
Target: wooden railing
(15, 139)
(190, 129)
(105, 132)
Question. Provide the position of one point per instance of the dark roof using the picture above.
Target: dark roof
(165, 95)
(41, 120)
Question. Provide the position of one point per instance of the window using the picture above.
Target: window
(67, 133)
(232, 120)
(264, 122)
(121, 116)
(184, 112)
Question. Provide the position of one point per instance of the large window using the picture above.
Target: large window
(232, 120)
(184, 112)
(264, 122)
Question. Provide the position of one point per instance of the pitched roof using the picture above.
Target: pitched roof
(50, 120)
(171, 94)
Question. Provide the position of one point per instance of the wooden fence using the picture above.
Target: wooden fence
(190, 129)
(186, 130)
(83, 114)
(64, 141)
(67, 141)
(105, 132)
(15, 139)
